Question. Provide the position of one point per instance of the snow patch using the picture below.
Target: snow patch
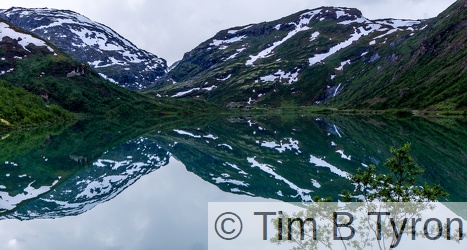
(280, 74)
(9, 202)
(225, 145)
(226, 78)
(315, 183)
(343, 156)
(303, 193)
(301, 26)
(360, 32)
(398, 23)
(321, 163)
(235, 182)
(181, 132)
(217, 43)
(314, 36)
(336, 92)
(108, 78)
(342, 65)
(183, 93)
(282, 147)
(22, 39)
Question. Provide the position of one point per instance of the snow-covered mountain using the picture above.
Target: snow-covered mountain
(113, 56)
(250, 63)
(329, 55)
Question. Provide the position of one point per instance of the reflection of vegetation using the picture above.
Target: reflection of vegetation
(227, 151)
(438, 147)
(39, 157)
(397, 186)
(396, 189)
(324, 225)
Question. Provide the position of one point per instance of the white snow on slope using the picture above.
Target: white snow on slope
(315, 183)
(342, 65)
(225, 145)
(235, 31)
(336, 92)
(359, 33)
(301, 26)
(397, 23)
(225, 42)
(75, 19)
(181, 132)
(314, 36)
(280, 74)
(225, 79)
(183, 93)
(180, 94)
(87, 34)
(108, 78)
(23, 39)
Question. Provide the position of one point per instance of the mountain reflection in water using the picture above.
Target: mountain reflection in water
(58, 172)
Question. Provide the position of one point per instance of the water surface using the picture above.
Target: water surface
(120, 185)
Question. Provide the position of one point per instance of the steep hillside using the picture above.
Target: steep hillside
(425, 70)
(21, 108)
(330, 56)
(113, 56)
(17, 106)
(33, 64)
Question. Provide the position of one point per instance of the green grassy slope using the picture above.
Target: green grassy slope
(58, 81)
(429, 70)
(21, 108)
(416, 65)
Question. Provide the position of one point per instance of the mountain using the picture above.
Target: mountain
(43, 70)
(330, 56)
(110, 54)
(17, 106)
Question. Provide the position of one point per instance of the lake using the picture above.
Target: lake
(144, 184)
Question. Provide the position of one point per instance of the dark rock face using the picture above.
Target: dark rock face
(111, 55)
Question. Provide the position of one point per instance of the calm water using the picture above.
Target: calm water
(128, 185)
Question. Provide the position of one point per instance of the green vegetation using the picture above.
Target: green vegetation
(42, 87)
(19, 108)
(417, 68)
(87, 94)
(397, 186)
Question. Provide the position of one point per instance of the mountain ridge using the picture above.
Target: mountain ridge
(51, 78)
(326, 56)
(113, 56)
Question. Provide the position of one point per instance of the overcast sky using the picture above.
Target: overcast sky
(171, 28)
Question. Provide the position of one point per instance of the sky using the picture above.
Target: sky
(169, 29)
